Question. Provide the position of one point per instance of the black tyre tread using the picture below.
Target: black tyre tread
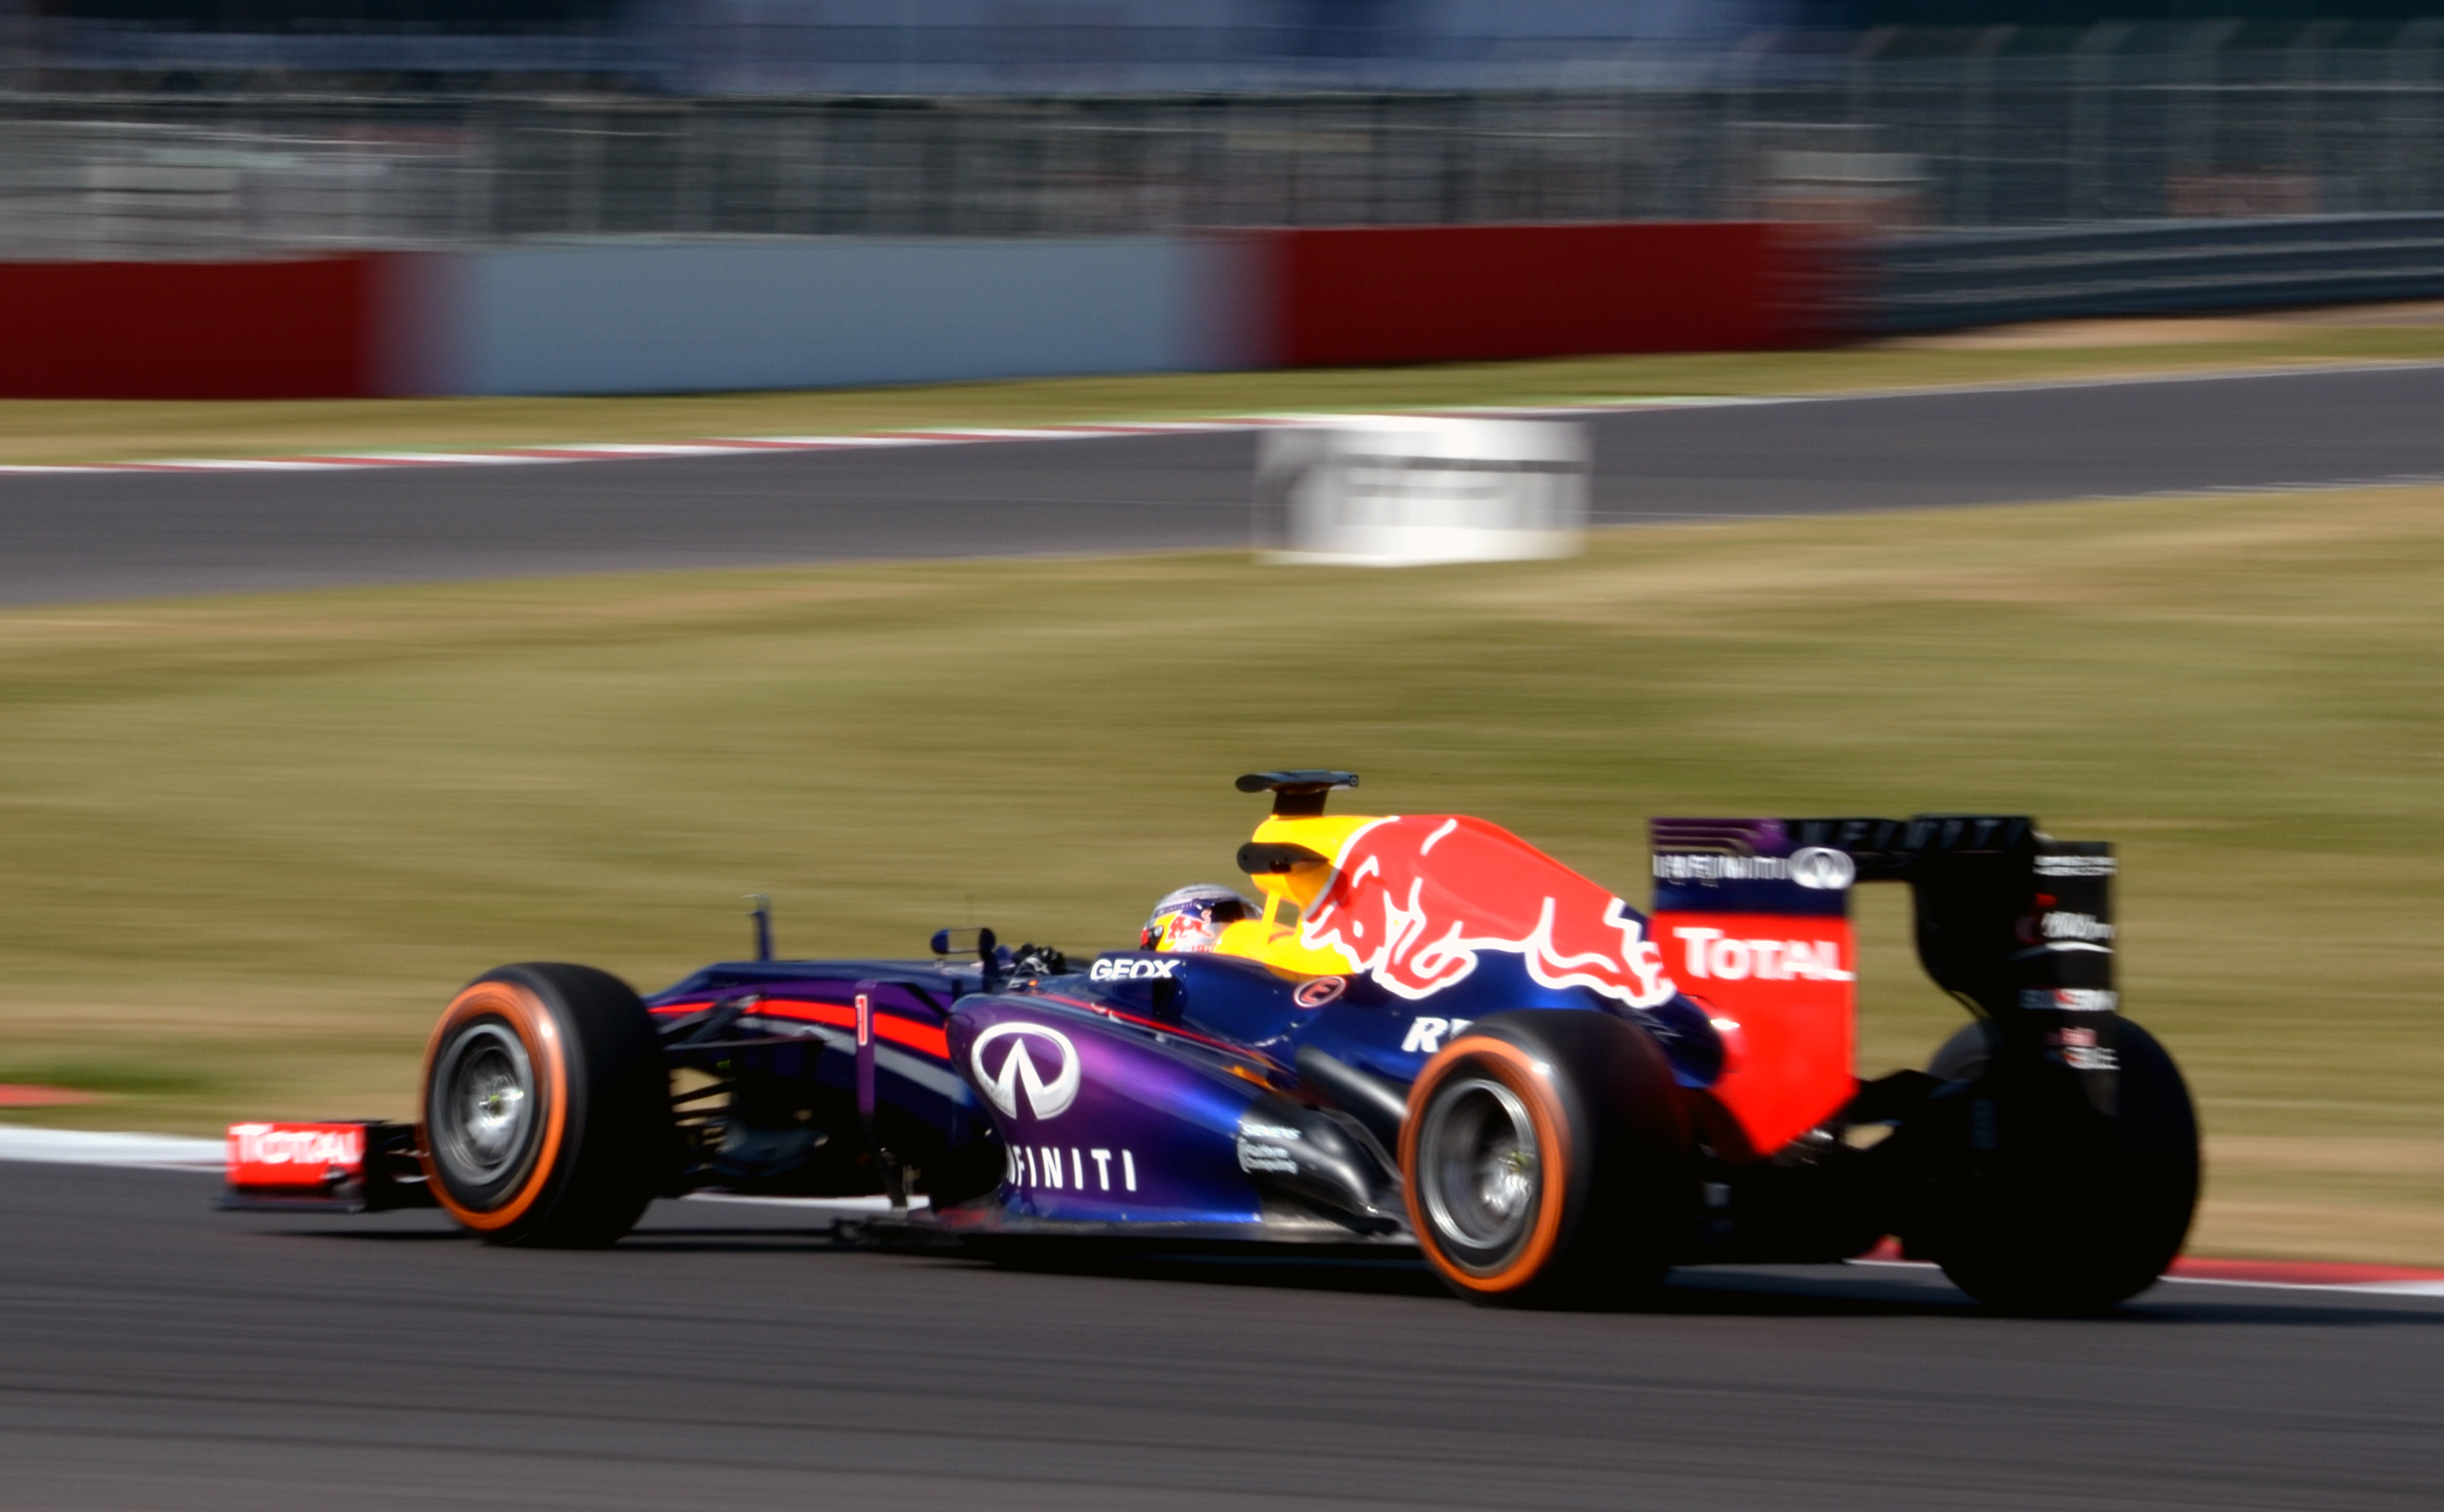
(617, 1145)
(2041, 1254)
(1963, 1058)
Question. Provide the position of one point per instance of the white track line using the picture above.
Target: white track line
(1086, 431)
(150, 1152)
(835, 1207)
(2389, 1288)
(2396, 1288)
(78, 1147)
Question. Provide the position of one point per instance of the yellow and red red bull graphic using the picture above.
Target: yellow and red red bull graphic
(1414, 901)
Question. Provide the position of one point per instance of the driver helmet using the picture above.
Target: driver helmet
(1192, 919)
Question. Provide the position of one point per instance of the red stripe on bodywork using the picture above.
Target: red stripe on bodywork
(838, 1015)
(914, 1034)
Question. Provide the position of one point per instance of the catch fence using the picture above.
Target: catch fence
(1894, 132)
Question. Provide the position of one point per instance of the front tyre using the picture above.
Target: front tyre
(1546, 1155)
(545, 1108)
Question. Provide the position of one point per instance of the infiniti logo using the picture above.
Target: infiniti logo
(1045, 1099)
(1823, 867)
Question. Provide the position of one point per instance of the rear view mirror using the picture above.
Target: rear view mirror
(976, 942)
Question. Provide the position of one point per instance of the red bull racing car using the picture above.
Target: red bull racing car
(1403, 1030)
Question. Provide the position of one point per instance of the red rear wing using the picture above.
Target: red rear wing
(1753, 918)
(1757, 931)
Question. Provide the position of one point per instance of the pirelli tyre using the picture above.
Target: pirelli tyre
(2047, 1205)
(1546, 1159)
(546, 1110)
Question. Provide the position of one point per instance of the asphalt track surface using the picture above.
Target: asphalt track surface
(96, 536)
(161, 1355)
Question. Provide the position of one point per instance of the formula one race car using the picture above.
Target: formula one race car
(1420, 1030)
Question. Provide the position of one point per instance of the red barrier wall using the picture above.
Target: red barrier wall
(283, 330)
(1346, 297)
(396, 322)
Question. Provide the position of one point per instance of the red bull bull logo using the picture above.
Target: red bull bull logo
(1414, 901)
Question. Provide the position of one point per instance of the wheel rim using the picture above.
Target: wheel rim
(484, 1105)
(1481, 1171)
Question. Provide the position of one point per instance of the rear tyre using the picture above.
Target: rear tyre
(1547, 1158)
(2072, 1211)
(545, 1107)
(1964, 1057)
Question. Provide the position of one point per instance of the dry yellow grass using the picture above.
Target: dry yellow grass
(2317, 1197)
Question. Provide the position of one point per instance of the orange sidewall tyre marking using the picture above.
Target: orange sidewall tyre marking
(545, 1050)
(1528, 1079)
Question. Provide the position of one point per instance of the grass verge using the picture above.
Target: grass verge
(45, 431)
(256, 842)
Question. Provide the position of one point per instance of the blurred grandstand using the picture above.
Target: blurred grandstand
(867, 47)
(180, 128)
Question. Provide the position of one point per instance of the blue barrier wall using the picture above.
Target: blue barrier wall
(643, 317)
